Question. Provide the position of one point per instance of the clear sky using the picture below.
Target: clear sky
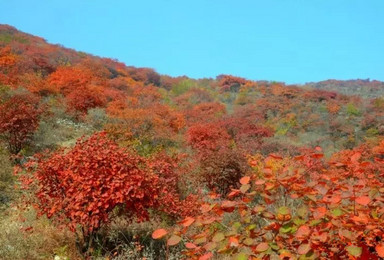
(295, 41)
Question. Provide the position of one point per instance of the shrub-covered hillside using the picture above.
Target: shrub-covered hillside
(100, 159)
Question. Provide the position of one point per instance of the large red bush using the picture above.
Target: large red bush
(86, 187)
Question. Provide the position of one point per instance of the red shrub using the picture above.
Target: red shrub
(84, 98)
(67, 79)
(96, 181)
(19, 118)
(207, 137)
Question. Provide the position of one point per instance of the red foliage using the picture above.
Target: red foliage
(67, 79)
(333, 108)
(19, 118)
(205, 112)
(157, 122)
(171, 175)
(230, 83)
(83, 98)
(248, 136)
(167, 82)
(208, 137)
(8, 70)
(147, 75)
(147, 96)
(37, 85)
(221, 170)
(96, 180)
(7, 58)
(221, 165)
(320, 95)
(299, 207)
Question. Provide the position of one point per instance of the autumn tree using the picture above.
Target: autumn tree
(19, 118)
(68, 78)
(8, 61)
(147, 75)
(230, 83)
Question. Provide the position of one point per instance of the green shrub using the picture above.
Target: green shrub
(182, 87)
(352, 110)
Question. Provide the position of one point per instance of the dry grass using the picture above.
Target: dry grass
(43, 241)
(6, 179)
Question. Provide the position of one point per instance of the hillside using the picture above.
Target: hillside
(106, 153)
(365, 88)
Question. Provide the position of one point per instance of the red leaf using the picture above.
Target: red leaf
(159, 233)
(259, 182)
(380, 249)
(363, 200)
(187, 221)
(245, 180)
(233, 193)
(320, 212)
(190, 245)
(335, 199)
(303, 231)
(233, 241)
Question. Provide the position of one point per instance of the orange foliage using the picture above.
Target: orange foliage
(37, 85)
(7, 58)
(333, 108)
(8, 69)
(157, 121)
(205, 112)
(232, 83)
(83, 98)
(67, 79)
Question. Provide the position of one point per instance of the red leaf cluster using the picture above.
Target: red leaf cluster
(97, 180)
(19, 118)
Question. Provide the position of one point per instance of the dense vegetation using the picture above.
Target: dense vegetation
(121, 162)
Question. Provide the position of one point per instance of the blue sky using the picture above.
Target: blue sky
(295, 41)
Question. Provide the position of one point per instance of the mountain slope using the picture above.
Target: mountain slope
(281, 171)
